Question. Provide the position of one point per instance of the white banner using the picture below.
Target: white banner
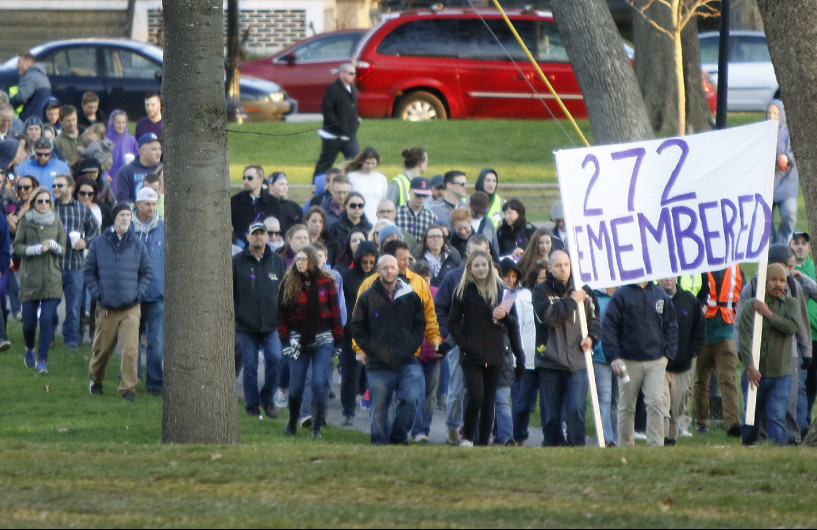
(649, 210)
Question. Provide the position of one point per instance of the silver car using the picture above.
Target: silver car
(752, 82)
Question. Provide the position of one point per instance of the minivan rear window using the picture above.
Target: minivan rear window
(421, 38)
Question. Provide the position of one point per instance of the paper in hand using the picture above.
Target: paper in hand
(508, 298)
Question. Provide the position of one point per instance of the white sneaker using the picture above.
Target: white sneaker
(466, 443)
(639, 435)
(683, 432)
(280, 399)
(421, 438)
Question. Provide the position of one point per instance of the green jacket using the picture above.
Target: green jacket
(776, 337)
(40, 275)
(808, 269)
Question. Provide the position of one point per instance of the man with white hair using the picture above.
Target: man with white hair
(151, 230)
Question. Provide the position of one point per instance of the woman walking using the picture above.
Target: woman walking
(310, 329)
(478, 321)
(40, 241)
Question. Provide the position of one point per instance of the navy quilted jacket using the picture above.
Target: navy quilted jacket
(118, 272)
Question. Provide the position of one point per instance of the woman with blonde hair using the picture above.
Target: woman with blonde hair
(479, 319)
(40, 241)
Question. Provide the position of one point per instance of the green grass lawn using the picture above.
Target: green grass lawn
(69, 459)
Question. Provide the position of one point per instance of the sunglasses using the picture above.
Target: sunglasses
(86, 193)
(42, 155)
(273, 233)
(23, 188)
(248, 177)
(59, 185)
(356, 205)
(43, 201)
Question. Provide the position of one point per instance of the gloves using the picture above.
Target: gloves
(519, 371)
(443, 349)
(806, 363)
(293, 350)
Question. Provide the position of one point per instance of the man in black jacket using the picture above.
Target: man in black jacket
(340, 120)
(388, 325)
(691, 338)
(257, 274)
(253, 204)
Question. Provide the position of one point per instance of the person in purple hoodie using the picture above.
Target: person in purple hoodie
(125, 147)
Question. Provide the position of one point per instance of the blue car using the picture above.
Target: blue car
(122, 71)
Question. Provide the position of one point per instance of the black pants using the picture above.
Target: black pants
(480, 395)
(329, 152)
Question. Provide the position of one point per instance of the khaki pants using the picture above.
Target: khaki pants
(675, 401)
(648, 376)
(113, 324)
(723, 358)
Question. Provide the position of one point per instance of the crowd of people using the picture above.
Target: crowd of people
(429, 297)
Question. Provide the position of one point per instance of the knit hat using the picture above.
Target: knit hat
(120, 207)
(779, 253)
(557, 212)
(389, 230)
(8, 150)
(89, 165)
(33, 120)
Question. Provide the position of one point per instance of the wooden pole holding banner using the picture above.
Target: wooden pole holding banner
(751, 398)
(591, 378)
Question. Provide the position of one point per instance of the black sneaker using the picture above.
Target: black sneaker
(702, 429)
(254, 411)
(270, 410)
(129, 396)
(95, 388)
(733, 430)
(669, 442)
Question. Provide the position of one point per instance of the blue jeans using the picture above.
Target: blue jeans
(406, 386)
(269, 344)
(772, 403)
(152, 325)
(503, 419)
(13, 292)
(560, 388)
(607, 386)
(523, 392)
(306, 398)
(72, 283)
(48, 308)
(788, 219)
(442, 388)
(425, 405)
(319, 358)
(456, 390)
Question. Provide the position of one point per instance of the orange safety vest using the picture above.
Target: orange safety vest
(726, 300)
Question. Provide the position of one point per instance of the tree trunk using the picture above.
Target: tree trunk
(608, 83)
(654, 51)
(698, 113)
(199, 397)
(744, 14)
(790, 32)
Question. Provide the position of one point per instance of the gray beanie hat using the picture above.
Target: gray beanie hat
(387, 231)
(779, 253)
(557, 212)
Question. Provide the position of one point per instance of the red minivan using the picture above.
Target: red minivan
(466, 63)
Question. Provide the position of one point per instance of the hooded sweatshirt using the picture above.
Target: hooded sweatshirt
(786, 181)
(494, 212)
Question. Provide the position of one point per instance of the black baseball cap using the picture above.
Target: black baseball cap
(801, 234)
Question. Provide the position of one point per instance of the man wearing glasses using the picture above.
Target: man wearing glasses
(43, 165)
(81, 228)
(412, 216)
(340, 120)
(252, 205)
(456, 187)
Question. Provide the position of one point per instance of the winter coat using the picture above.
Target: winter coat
(131, 178)
(451, 260)
(558, 322)
(480, 339)
(338, 231)
(445, 293)
(388, 331)
(256, 286)
(117, 271)
(510, 239)
(293, 316)
(640, 325)
(34, 78)
(339, 108)
(244, 212)
(691, 331)
(152, 235)
(40, 275)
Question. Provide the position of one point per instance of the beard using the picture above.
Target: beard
(275, 245)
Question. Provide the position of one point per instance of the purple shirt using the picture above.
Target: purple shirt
(144, 126)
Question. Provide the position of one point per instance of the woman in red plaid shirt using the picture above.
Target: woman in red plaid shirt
(310, 331)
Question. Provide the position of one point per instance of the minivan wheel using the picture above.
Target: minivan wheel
(421, 106)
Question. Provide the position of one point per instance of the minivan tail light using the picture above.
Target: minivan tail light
(363, 70)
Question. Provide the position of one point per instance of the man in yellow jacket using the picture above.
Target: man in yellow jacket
(400, 251)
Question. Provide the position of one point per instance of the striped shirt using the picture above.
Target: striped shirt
(76, 217)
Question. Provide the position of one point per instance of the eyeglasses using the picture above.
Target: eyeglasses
(86, 193)
(23, 188)
(42, 155)
(43, 201)
(434, 236)
(273, 233)
(356, 205)
(248, 177)
(60, 185)
(384, 212)
(300, 260)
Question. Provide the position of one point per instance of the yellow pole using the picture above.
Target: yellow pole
(541, 74)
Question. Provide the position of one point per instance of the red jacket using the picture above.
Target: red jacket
(292, 317)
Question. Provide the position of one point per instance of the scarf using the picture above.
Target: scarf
(40, 219)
